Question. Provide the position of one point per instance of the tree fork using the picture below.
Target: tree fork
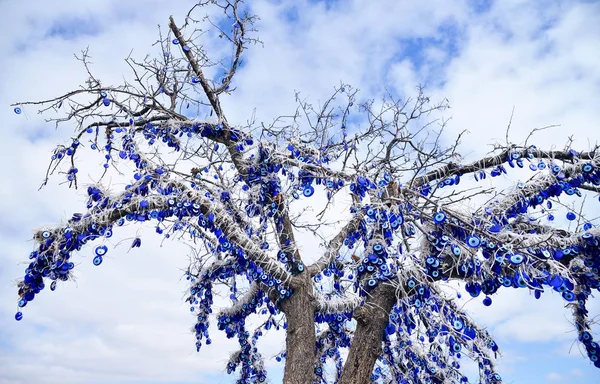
(371, 320)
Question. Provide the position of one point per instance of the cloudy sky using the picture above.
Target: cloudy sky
(126, 322)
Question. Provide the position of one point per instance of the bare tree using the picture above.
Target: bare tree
(376, 290)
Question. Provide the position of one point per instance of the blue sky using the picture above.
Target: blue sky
(74, 28)
(126, 322)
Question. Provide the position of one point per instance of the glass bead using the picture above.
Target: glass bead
(473, 241)
(308, 191)
(101, 250)
(439, 217)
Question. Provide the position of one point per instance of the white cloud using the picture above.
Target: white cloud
(510, 320)
(553, 376)
(545, 77)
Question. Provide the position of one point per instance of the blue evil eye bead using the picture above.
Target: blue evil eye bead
(458, 324)
(516, 259)
(555, 281)
(550, 217)
(390, 329)
(308, 191)
(533, 167)
(372, 282)
(17, 110)
(103, 94)
(573, 153)
(519, 281)
(97, 260)
(439, 217)
(455, 249)
(473, 241)
(22, 303)
(400, 218)
(19, 316)
(53, 286)
(568, 296)
(571, 216)
(175, 41)
(586, 336)
(106, 102)
(101, 250)
(587, 167)
(46, 234)
(186, 48)
(487, 301)
(195, 80)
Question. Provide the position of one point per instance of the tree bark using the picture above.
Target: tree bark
(300, 341)
(371, 319)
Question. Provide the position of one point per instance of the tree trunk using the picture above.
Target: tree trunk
(301, 337)
(371, 319)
